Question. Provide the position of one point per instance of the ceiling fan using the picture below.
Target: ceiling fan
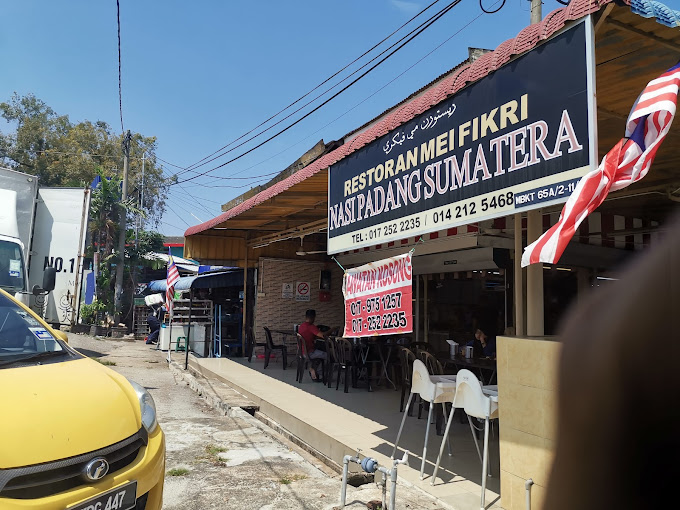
(302, 253)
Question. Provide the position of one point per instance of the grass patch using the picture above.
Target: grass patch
(105, 362)
(213, 455)
(213, 450)
(288, 479)
(178, 472)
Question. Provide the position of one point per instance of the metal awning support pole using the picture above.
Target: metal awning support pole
(191, 306)
(244, 317)
(426, 318)
(519, 277)
(417, 308)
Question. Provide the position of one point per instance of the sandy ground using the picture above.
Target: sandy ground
(229, 461)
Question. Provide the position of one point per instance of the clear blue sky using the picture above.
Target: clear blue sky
(199, 74)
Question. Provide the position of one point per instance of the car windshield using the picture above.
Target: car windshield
(22, 334)
(11, 267)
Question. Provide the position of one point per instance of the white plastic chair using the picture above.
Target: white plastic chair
(436, 389)
(471, 398)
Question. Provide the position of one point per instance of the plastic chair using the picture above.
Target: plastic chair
(270, 347)
(346, 362)
(178, 345)
(251, 343)
(303, 359)
(331, 360)
(418, 347)
(407, 358)
(432, 389)
(470, 397)
(435, 368)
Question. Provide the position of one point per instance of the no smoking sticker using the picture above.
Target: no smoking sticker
(302, 291)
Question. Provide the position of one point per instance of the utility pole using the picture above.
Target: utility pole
(120, 266)
(141, 202)
(536, 11)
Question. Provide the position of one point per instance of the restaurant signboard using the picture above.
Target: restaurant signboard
(378, 298)
(518, 139)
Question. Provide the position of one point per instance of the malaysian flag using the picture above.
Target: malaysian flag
(171, 280)
(628, 162)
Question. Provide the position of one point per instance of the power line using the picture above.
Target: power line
(170, 225)
(196, 165)
(363, 100)
(196, 201)
(120, 84)
(418, 30)
(427, 25)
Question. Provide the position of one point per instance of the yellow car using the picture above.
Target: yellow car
(75, 435)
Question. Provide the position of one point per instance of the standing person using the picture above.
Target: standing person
(310, 333)
(154, 327)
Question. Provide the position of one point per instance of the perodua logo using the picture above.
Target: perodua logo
(97, 468)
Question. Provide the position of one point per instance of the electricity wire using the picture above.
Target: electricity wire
(421, 30)
(481, 6)
(194, 165)
(359, 103)
(425, 24)
(120, 81)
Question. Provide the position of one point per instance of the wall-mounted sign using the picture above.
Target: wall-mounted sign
(378, 298)
(302, 291)
(518, 139)
(287, 291)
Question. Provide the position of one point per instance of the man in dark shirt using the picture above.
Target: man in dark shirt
(154, 327)
(484, 345)
(310, 333)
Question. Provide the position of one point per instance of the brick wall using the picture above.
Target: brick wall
(276, 312)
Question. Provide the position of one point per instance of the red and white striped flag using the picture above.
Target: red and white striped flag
(171, 280)
(628, 162)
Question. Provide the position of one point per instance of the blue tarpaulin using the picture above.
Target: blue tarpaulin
(204, 281)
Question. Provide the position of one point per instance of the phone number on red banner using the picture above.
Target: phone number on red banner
(366, 314)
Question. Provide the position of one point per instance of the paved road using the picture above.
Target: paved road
(231, 462)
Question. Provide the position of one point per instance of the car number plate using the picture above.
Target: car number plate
(120, 498)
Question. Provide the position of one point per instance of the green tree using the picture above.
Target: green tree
(104, 224)
(62, 153)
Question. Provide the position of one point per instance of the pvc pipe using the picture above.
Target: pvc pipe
(345, 469)
(527, 488)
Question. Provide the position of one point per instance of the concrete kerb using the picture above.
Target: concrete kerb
(199, 383)
(250, 414)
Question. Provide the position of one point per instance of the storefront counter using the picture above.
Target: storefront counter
(527, 388)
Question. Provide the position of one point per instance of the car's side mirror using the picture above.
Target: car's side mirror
(49, 278)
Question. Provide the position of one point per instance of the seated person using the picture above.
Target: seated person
(483, 344)
(310, 333)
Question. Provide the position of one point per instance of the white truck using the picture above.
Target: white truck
(42, 243)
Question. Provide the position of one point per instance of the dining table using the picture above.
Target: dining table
(364, 346)
(483, 366)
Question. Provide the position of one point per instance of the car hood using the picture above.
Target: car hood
(59, 410)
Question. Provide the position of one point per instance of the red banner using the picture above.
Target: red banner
(378, 298)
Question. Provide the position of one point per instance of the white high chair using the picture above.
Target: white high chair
(470, 397)
(435, 389)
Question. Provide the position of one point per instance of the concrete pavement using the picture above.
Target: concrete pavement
(228, 460)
